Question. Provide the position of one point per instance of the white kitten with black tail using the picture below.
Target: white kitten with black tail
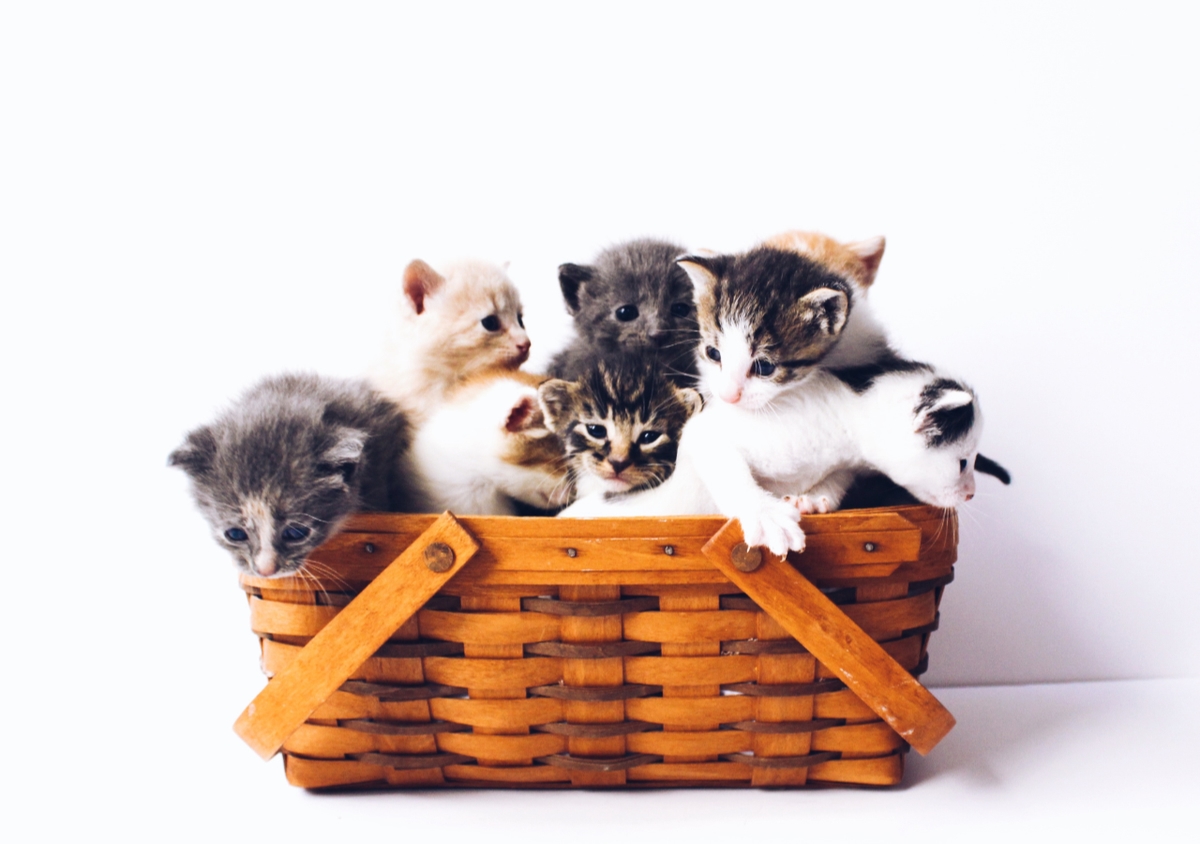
(487, 446)
(449, 326)
(278, 473)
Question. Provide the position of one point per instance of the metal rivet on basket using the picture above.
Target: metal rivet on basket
(571, 552)
(439, 557)
(746, 558)
(369, 547)
(669, 550)
(869, 546)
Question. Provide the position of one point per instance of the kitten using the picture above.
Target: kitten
(620, 423)
(633, 299)
(449, 326)
(487, 447)
(278, 472)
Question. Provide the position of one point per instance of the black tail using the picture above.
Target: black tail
(990, 467)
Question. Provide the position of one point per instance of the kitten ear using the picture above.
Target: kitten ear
(691, 400)
(946, 417)
(420, 280)
(196, 454)
(870, 252)
(826, 307)
(570, 276)
(346, 452)
(699, 270)
(556, 397)
(526, 413)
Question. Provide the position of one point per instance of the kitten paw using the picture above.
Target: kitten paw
(775, 524)
(808, 505)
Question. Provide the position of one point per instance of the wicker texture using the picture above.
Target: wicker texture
(605, 654)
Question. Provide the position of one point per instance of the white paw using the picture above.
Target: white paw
(775, 523)
(807, 504)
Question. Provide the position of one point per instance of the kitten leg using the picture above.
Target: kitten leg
(825, 496)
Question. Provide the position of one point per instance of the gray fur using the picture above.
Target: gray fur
(309, 450)
(641, 273)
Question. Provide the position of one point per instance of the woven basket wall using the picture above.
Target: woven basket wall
(606, 653)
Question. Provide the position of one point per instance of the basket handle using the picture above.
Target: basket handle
(354, 634)
(832, 637)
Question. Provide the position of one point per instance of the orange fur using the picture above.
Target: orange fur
(856, 260)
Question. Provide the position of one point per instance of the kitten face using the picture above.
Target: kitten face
(472, 311)
(936, 461)
(767, 318)
(634, 297)
(272, 491)
(620, 424)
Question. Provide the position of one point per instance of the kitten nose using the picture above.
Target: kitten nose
(618, 465)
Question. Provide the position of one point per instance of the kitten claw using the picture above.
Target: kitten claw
(806, 505)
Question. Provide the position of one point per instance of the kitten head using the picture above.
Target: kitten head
(272, 483)
(767, 318)
(471, 312)
(633, 297)
(933, 457)
(620, 423)
(857, 261)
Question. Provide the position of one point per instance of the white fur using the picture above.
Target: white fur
(430, 348)
(796, 453)
(457, 455)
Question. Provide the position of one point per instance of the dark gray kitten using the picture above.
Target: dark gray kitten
(634, 299)
(277, 473)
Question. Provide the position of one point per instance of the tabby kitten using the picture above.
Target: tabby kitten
(620, 423)
(278, 473)
(449, 326)
(633, 299)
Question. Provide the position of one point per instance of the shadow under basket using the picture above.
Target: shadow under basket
(421, 651)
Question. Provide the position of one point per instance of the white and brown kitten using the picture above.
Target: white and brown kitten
(278, 472)
(620, 423)
(448, 327)
(486, 446)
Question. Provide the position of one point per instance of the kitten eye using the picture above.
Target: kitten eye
(236, 535)
(681, 309)
(647, 437)
(962, 465)
(597, 431)
(625, 313)
(521, 320)
(713, 354)
(491, 322)
(293, 533)
(762, 368)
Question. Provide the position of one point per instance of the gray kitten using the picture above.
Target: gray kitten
(634, 299)
(277, 473)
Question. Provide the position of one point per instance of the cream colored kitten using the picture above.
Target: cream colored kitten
(448, 327)
(487, 445)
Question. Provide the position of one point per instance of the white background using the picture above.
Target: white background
(192, 197)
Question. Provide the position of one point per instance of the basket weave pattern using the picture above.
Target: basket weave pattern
(606, 654)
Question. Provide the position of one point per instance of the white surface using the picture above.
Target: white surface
(1053, 762)
(192, 197)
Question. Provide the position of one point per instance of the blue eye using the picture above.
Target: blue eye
(962, 466)
(681, 309)
(236, 535)
(762, 368)
(521, 320)
(491, 323)
(713, 354)
(626, 313)
(647, 437)
(597, 431)
(292, 533)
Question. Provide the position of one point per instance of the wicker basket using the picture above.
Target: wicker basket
(649, 652)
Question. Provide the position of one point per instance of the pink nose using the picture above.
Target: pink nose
(733, 396)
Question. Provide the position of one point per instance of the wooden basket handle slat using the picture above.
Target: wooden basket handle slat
(833, 638)
(354, 634)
